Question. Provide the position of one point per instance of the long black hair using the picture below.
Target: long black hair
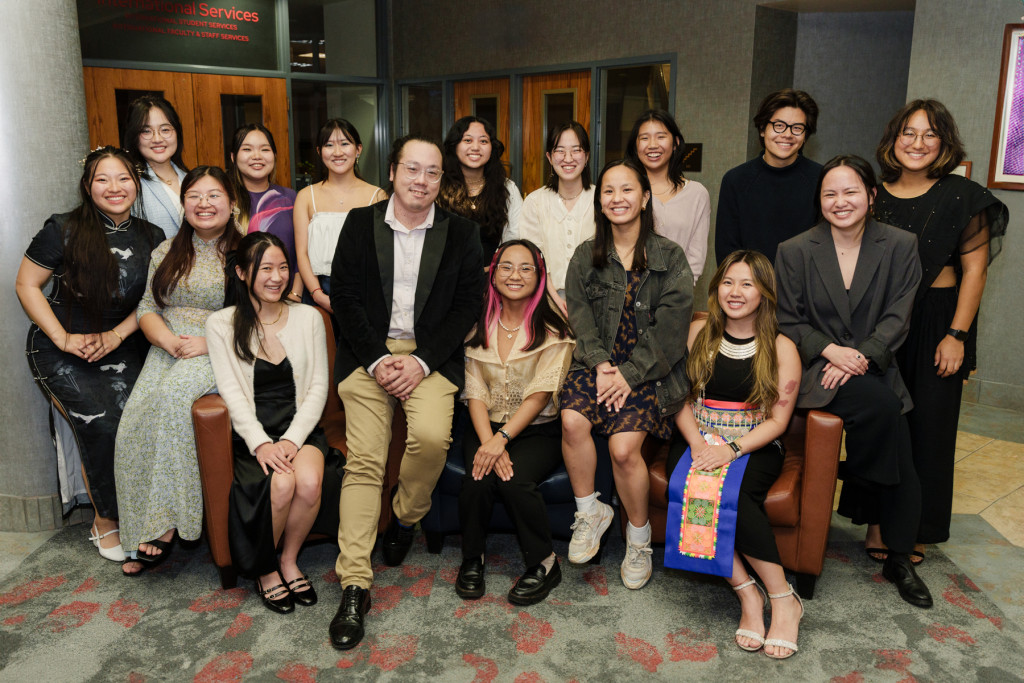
(138, 115)
(324, 136)
(244, 321)
(90, 270)
(242, 200)
(675, 163)
(541, 317)
(491, 205)
(603, 240)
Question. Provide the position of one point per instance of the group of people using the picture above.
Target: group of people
(553, 319)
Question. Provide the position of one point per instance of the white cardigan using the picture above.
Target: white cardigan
(305, 344)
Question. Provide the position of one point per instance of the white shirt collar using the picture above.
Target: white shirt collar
(395, 224)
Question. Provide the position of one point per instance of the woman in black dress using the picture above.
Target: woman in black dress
(959, 225)
(82, 346)
(270, 360)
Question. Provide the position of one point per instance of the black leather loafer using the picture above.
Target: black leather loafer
(347, 625)
(469, 585)
(900, 571)
(535, 584)
(396, 543)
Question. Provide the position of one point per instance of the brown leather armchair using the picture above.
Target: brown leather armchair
(799, 504)
(216, 465)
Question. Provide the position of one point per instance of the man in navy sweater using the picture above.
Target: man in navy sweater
(770, 198)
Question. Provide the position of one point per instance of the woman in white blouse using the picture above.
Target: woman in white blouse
(560, 216)
(516, 359)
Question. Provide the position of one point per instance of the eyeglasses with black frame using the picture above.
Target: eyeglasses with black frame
(781, 126)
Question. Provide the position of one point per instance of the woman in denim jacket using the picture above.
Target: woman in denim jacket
(630, 310)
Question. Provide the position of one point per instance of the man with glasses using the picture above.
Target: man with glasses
(406, 287)
(770, 198)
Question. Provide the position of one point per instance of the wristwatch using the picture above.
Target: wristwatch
(504, 434)
(959, 335)
(735, 449)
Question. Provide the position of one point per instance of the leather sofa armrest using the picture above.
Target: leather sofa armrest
(216, 466)
(821, 464)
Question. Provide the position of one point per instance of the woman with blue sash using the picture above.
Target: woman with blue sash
(744, 378)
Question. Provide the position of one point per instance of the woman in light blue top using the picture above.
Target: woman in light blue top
(153, 138)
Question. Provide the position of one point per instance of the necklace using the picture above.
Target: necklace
(168, 183)
(569, 199)
(511, 332)
(280, 312)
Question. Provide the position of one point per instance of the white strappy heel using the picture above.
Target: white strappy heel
(745, 633)
(778, 642)
(115, 554)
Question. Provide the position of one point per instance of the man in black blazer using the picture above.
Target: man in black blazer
(406, 287)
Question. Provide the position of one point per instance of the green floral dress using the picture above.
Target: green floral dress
(155, 455)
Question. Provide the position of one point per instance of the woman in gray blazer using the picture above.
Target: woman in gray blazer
(152, 136)
(846, 290)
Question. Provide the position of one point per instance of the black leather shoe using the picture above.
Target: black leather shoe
(535, 584)
(470, 583)
(276, 598)
(302, 591)
(347, 625)
(396, 543)
(900, 571)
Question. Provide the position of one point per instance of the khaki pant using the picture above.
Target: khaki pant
(368, 414)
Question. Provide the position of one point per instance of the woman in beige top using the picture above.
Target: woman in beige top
(516, 359)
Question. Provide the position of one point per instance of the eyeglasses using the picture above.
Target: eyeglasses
(505, 269)
(561, 152)
(909, 136)
(781, 126)
(198, 197)
(413, 171)
(166, 132)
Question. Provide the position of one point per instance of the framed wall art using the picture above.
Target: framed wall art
(1006, 164)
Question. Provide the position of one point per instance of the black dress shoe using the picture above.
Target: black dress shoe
(900, 571)
(302, 591)
(396, 543)
(276, 598)
(535, 584)
(469, 585)
(347, 625)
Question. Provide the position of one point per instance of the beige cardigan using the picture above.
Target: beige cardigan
(305, 344)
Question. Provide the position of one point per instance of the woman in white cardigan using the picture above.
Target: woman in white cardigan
(270, 361)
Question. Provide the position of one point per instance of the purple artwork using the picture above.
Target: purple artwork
(1013, 162)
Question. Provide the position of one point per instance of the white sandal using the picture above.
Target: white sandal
(115, 554)
(778, 642)
(745, 633)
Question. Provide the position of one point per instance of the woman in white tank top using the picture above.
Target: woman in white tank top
(321, 208)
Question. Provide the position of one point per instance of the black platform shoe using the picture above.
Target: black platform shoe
(535, 584)
(469, 585)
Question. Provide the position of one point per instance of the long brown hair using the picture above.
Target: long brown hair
(951, 153)
(491, 205)
(182, 255)
(90, 270)
(701, 363)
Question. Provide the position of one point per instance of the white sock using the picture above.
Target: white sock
(548, 563)
(587, 504)
(638, 535)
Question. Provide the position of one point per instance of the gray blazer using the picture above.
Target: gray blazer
(815, 309)
(157, 205)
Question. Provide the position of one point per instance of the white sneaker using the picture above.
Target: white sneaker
(587, 531)
(637, 565)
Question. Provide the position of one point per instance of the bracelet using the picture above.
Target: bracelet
(735, 449)
(119, 337)
(505, 434)
(313, 293)
(295, 294)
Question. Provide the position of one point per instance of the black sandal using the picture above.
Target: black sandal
(872, 552)
(307, 597)
(153, 560)
(916, 555)
(276, 598)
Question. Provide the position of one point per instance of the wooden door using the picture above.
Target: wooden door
(108, 92)
(489, 99)
(548, 100)
(223, 103)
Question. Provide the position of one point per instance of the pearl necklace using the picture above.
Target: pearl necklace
(737, 351)
(511, 332)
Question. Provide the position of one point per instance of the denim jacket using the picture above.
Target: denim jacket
(595, 297)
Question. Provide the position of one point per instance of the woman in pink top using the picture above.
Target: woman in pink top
(682, 208)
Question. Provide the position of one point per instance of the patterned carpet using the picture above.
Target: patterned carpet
(67, 615)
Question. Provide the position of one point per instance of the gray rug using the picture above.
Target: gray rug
(68, 615)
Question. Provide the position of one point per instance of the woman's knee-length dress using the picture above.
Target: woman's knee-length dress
(155, 458)
(91, 395)
(640, 413)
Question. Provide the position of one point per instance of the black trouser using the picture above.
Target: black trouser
(877, 437)
(535, 454)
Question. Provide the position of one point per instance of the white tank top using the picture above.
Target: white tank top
(323, 233)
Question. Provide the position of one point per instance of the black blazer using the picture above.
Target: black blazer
(816, 310)
(449, 291)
